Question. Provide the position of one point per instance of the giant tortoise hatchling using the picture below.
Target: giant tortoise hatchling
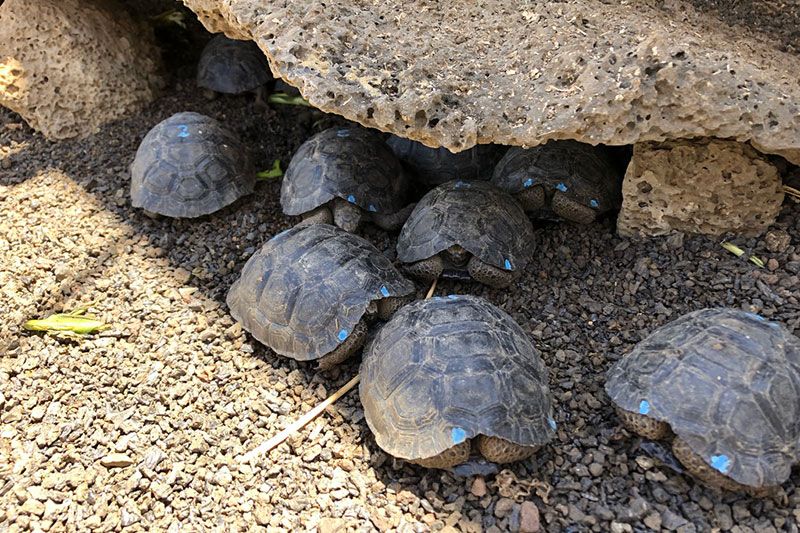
(309, 293)
(188, 166)
(344, 175)
(466, 227)
(434, 166)
(232, 67)
(448, 373)
(573, 180)
(726, 384)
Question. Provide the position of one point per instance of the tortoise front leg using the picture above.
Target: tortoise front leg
(427, 269)
(491, 275)
(346, 349)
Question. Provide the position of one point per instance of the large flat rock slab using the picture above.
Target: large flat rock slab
(461, 73)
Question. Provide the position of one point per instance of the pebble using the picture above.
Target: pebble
(223, 476)
(529, 518)
(478, 488)
(116, 460)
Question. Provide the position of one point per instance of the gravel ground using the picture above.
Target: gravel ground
(139, 427)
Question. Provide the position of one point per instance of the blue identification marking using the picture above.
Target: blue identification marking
(372, 208)
(183, 130)
(562, 187)
(528, 182)
(756, 316)
(721, 463)
(342, 334)
(594, 203)
(644, 407)
(343, 133)
(452, 296)
(552, 423)
(461, 184)
(351, 199)
(458, 435)
(507, 264)
(385, 292)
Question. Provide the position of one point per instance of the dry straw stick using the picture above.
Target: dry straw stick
(298, 424)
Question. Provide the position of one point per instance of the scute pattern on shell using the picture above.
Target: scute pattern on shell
(189, 165)
(352, 163)
(484, 220)
(586, 171)
(447, 369)
(308, 284)
(434, 166)
(728, 383)
(232, 67)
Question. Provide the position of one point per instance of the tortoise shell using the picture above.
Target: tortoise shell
(232, 67)
(584, 172)
(303, 292)
(352, 163)
(445, 370)
(728, 383)
(189, 165)
(481, 218)
(434, 166)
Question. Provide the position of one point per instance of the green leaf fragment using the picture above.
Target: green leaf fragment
(75, 321)
(285, 99)
(732, 248)
(738, 252)
(172, 16)
(272, 173)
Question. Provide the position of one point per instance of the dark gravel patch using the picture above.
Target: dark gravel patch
(586, 299)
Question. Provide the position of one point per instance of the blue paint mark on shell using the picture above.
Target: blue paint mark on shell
(644, 407)
(351, 199)
(722, 463)
(461, 184)
(552, 424)
(343, 133)
(183, 131)
(385, 292)
(562, 187)
(594, 203)
(343, 333)
(756, 317)
(507, 265)
(372, 208)
(458, 435)
(452, 296)
(528, 182)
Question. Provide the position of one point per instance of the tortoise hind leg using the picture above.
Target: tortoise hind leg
(569, 209)
(427, 269)
(447, 459)
(346, 215)
(388, 306)
(697, 467)
(392, 221)
(498, 450)
(350, 346)
(491, 275)
(320, 215)
(645, 426)
(532, 199)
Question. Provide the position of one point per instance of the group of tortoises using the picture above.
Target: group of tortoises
(444, 377)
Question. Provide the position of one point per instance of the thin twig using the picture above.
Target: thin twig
(298, 424)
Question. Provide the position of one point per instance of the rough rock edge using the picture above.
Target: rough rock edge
(659, 87)
(95, 64)
(706, 186)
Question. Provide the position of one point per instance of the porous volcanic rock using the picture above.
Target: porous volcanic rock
(702, 186)
(69, 66)
(457, 74)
